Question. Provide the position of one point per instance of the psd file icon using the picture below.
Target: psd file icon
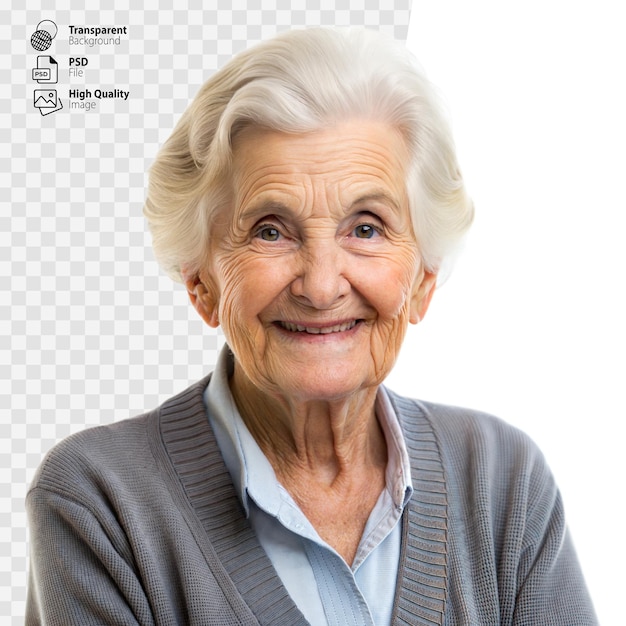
(47, 70)
(46, 101)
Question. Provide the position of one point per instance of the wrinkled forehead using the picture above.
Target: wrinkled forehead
(346, 163)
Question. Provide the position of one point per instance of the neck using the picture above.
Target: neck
(321, 439)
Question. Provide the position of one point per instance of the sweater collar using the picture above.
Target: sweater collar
(190, 444)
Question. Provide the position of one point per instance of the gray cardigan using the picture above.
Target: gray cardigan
(138, 523)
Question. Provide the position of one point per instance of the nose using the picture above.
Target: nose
(321, 281)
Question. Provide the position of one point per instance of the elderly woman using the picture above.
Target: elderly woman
(308, 199)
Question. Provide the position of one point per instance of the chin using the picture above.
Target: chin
(327, 385)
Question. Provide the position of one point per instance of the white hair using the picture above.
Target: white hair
(301, 81)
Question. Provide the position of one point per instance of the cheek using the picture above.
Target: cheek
(387, 286)
(247, 285)
(390, 285)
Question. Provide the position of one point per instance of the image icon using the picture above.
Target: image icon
(47, 101)
(47, 70)
(42, 38)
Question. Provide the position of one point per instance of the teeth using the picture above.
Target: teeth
(314, 330)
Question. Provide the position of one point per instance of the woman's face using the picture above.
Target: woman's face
(314, 271)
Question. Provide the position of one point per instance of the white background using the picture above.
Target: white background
(530, 325)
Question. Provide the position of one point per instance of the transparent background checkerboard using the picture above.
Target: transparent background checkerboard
(90, 330)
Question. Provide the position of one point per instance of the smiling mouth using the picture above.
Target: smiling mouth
(318, 330)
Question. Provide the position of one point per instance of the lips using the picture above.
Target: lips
(318, 330)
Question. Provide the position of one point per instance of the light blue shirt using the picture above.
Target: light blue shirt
(325, 588)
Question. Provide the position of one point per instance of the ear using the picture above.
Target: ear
(423, 291)
(203, 297)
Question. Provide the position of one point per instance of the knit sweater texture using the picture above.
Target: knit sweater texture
(138, 522)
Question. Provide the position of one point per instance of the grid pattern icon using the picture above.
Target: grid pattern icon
(90, 330)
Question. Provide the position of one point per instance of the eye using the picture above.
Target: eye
(267, 232)
(365, 231)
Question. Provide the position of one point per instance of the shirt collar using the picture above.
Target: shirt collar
(250, 469)
(398, 474)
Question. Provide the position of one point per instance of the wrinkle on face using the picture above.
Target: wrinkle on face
(315, 188)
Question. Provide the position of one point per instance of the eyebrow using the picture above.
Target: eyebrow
(278, 208)
(377, 196)
(266, 207)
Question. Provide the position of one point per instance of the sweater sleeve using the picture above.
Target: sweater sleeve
(77, 573)
(551, 587)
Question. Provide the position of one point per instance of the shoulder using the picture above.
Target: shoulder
(112, 453)
(476, 448)
(461, 430)
(496, 480)
(95, 455)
